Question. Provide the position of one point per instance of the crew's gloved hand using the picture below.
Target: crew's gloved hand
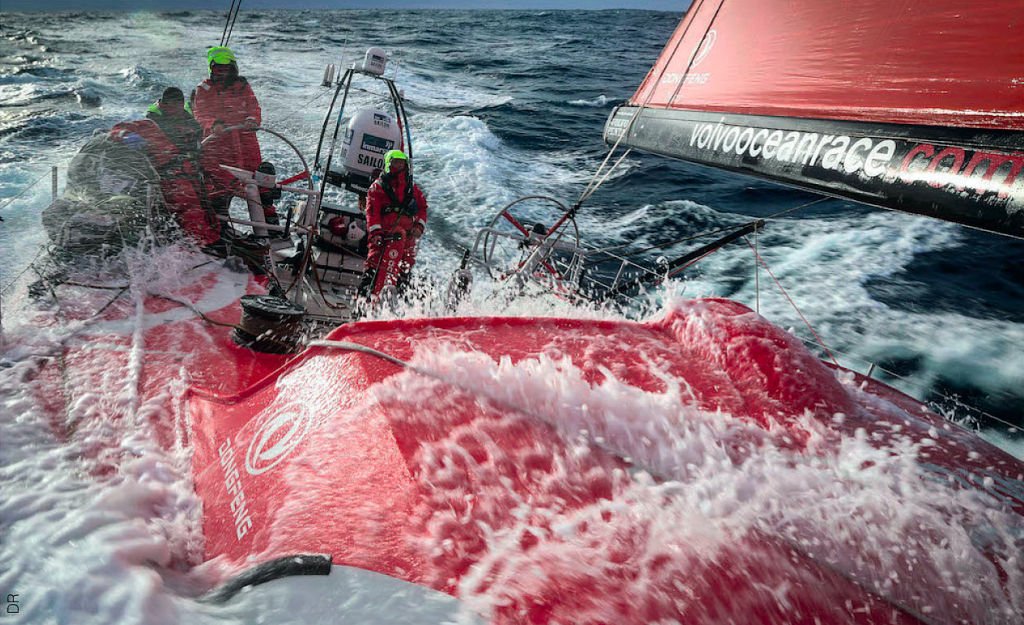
(338, 226)
(251, 123)
(133, 141)
(416, 232)
(376, 239)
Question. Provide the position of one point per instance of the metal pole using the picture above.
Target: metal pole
(757, 276)
(53, 181)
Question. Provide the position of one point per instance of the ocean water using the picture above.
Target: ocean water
(502, 104)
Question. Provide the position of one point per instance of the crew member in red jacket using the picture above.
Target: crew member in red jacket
(395, 208)
(223, 100)
(170, 139)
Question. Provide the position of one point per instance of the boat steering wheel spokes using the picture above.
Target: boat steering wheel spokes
(306, 174)
(515, 237)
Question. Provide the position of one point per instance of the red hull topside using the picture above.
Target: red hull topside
(508, 474)
(701, 467)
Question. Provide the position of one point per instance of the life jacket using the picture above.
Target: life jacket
(405, 206)
(183, 130)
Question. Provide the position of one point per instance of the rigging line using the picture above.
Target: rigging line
(110, 303)
(94, 286)
(61, 315)
(232, 29)
(24, 191)
(790, 210)
(591, 187)
(917, 385)
(214, 322)
(795, 307)
(693, 56)
(658, 246)
(224, 34)
(650, 94)
(192, 307)
(1013, 429)
(296, 112)
(609, 173)
(698, 236)
(757, 276)
(25, 270)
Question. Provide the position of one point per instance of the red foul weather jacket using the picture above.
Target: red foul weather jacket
(178, 179)
(397, 212)
(230, 105)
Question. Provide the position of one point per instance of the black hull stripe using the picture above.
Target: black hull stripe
(968, 176)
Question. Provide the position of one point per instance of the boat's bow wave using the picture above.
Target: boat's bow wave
(702, 466)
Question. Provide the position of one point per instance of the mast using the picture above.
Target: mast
(912, 105)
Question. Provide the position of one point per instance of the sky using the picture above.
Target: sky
(178, 5)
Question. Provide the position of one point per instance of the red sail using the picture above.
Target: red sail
(936, 62)
(914, 105)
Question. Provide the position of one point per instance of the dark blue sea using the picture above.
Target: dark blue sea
(507, 103)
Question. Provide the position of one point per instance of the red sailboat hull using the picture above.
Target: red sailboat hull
(550, 470)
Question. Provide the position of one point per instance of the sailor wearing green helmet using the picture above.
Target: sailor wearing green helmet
(223, 100)
(400, 161)
(395, 209)
(220, 55)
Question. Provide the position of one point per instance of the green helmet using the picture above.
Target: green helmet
(392, 155)
(220, 55)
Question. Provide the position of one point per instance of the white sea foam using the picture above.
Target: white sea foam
(825, 266)
(601, 100)
(915, 540)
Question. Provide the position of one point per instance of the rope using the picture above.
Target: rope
(94, 286)
(919, 385)
(223, 35)
(25, 270)
(356, 347)
(757, 277)
(790, 210)
(233, 19)
(110, 303)
(281, 121)
(650, 94)
(191, 307)
(696, 50)
(795, 307)
(186, 304)
(611, 169)
(658, 246)
(24, 191)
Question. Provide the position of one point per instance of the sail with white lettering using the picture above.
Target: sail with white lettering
(914, 105)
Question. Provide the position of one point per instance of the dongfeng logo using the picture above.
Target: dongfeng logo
(704, 48)
(277, 435)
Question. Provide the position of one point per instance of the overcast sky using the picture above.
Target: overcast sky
(178, 5)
